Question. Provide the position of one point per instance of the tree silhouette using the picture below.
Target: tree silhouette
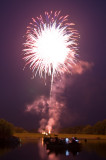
(6, 129)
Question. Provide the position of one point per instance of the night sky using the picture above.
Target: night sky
(85, 95)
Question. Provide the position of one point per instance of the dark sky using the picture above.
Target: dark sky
(86, 97)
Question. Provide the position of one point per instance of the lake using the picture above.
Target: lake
(36, 150)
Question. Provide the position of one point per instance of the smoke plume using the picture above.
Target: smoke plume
(50, 109)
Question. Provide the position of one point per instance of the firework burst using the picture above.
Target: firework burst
(51, 45)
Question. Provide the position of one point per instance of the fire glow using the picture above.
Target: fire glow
(46, 133)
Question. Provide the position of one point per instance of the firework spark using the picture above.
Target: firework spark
(51, 45)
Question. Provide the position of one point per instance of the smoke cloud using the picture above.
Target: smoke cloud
(50, 109)
(82, 67)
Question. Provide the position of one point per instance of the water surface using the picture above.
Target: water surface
(36, 150)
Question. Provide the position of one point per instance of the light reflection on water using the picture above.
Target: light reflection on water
(44, 153)
(54, 154)
(36, 150)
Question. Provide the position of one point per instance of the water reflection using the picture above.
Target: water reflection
(55, 152)
(36, 150)
(5, 150)
(97, 146)
(43, 153)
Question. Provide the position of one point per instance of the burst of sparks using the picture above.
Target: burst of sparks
(51, 45)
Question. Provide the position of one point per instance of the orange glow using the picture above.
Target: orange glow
(43, 132)
(49, 131)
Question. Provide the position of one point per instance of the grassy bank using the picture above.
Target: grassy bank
(34, 136)
(83, 136)
(28, 136)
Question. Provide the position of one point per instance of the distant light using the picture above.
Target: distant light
(67, 140)
(77, 153)
(77, 140)
(67, 153)
(43, 132)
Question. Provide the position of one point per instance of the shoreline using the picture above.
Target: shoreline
(34, 136)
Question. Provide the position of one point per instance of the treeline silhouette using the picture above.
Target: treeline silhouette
(7, 129)
(98, 128)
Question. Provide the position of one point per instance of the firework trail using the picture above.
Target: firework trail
(50, 50)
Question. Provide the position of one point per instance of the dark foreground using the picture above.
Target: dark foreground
(37, 149)
(10, 142)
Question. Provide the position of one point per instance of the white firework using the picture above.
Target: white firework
(51, 45)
